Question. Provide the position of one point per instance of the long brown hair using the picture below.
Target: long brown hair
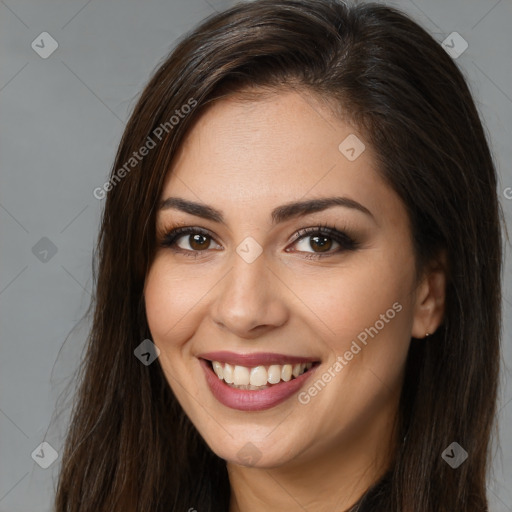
(130, 447)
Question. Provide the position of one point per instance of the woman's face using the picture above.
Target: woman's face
(258, 294)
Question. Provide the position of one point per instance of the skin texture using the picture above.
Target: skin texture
(246, 158)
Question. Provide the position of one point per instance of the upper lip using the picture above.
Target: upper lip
(255, 359)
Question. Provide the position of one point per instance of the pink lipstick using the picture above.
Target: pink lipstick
(270, 373)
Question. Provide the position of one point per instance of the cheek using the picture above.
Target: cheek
(172, 297)
(365, 311)
(349, 300)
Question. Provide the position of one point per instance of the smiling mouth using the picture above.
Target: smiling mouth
(258, 377)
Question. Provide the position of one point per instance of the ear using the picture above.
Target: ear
(430, 298)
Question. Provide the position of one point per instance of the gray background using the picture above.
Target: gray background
(61, 121)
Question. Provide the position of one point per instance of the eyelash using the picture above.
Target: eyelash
(346, 242)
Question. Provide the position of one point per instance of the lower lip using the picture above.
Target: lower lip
(252, 400)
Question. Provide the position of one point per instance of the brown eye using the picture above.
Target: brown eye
(199, 242)
(322, 243)
(313, 242)
(188, 240)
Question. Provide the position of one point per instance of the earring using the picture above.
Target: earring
(427, 334)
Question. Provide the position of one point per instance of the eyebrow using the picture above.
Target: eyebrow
(279, 214)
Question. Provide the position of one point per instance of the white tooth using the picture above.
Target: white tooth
(308, 365)
(274, 374)
(217, 368)
(258, 376)
(286, 372)
(253, 388)
(302, 368)
(228, 373)
(241, 376)
(296, 370)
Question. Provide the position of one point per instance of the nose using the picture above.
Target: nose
(250, 299)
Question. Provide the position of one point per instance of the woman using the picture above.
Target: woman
(298, 282)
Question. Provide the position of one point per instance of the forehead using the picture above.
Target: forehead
(274, 149)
